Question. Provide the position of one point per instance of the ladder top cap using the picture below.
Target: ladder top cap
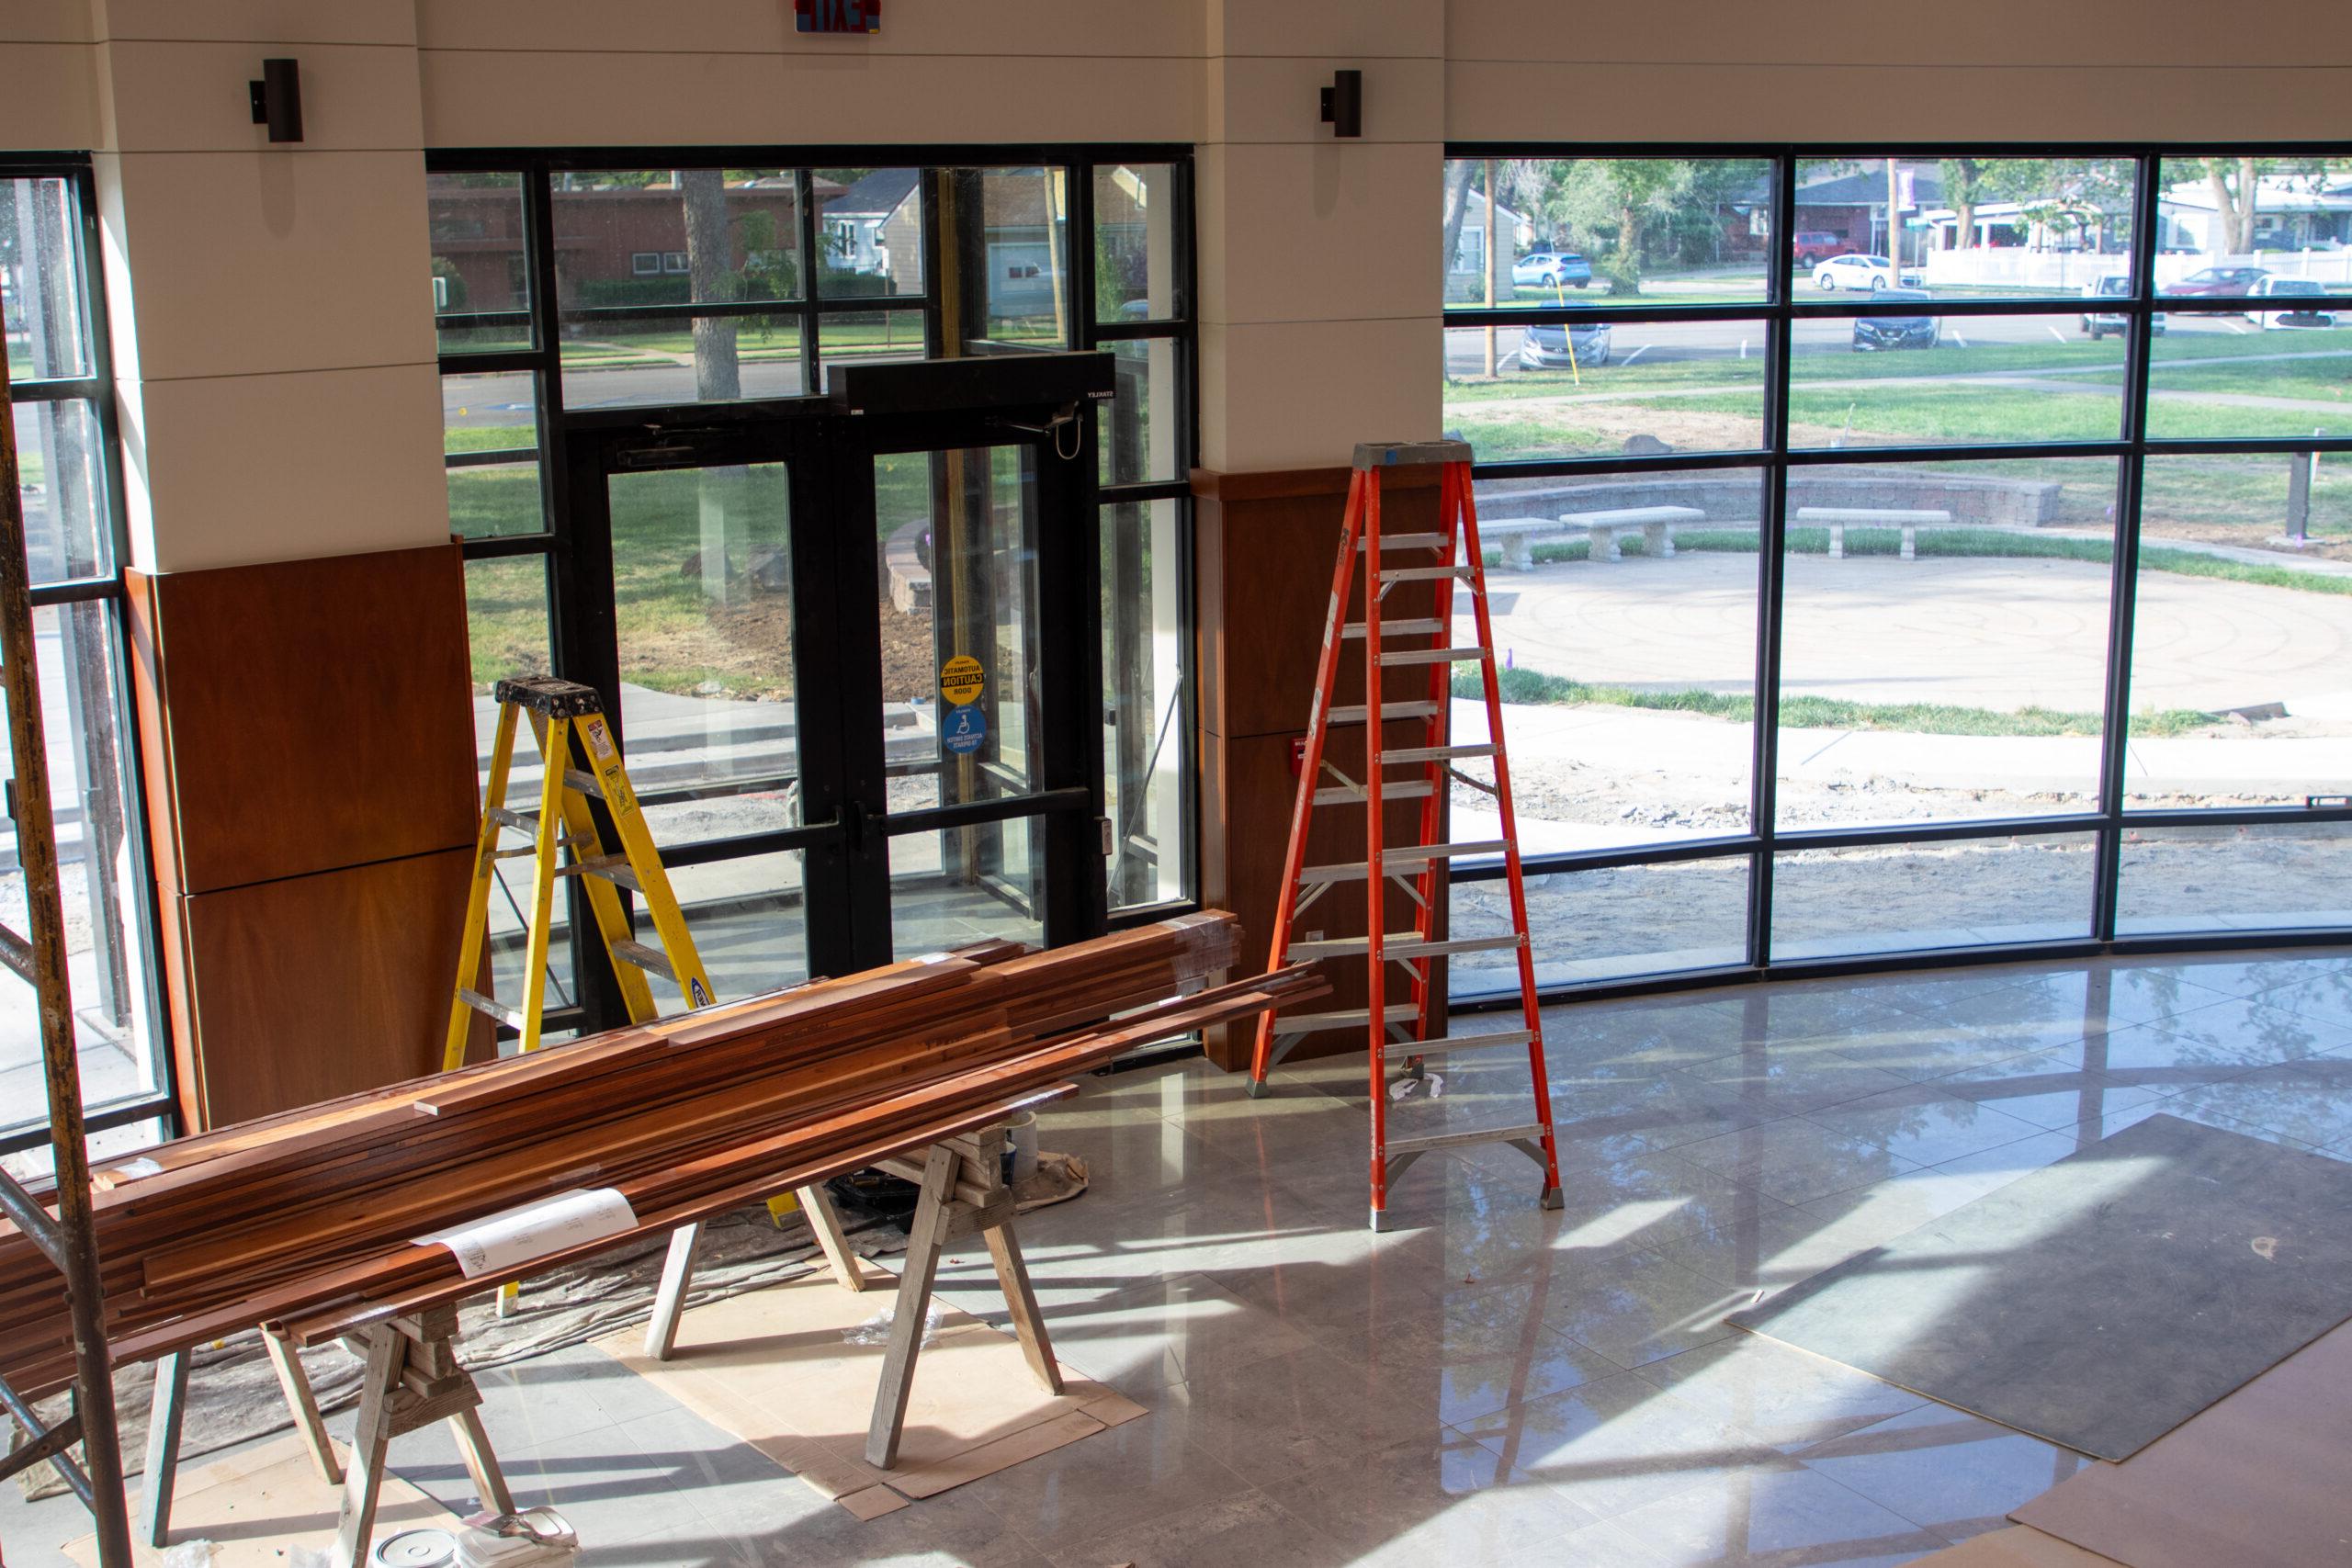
(549, 697)
(1404, 454)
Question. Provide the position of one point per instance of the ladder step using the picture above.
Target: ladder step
(1468, 1135)
(1437, 753)
(511, 1017)
(1455, 1043)
(527, 821)
(1419, 573)
(1431, 654)
(1353, 794)
(1400, 860)
(650, 959)
(1424, 625)
(1352, 1018)
(614, 869)
(1401, 945)
(1355, 714)
(585, 783)
(1404, 542)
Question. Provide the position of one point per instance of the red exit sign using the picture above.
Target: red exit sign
(837, 15)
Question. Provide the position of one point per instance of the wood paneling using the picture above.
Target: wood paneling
(317, 985)
(314, 714)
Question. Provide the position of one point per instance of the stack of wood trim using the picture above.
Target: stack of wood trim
(306, 1220)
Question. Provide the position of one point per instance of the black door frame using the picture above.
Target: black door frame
(828, 453)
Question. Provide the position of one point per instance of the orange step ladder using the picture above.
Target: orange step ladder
(1425, 771)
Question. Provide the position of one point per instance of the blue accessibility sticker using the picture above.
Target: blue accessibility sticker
(966, 729)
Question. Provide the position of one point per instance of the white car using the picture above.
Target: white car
(2274, 290)
(1866, 273)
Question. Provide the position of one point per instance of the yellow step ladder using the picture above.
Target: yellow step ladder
(569, 721)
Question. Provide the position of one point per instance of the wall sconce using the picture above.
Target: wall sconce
(1343, 103)
(277, 100)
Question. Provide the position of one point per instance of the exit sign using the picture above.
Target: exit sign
(837, 15)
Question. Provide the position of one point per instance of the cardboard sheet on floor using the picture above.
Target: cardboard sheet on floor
(256, 1508)
(2103, 1300)
(2016, 1546)
(773, 1368)
(2256, 1481)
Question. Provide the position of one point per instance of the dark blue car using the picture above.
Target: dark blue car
(1882, 328)
(1546, 347)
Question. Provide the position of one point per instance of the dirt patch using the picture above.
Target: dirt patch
(742, 650)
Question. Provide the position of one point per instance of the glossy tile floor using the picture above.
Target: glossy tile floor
(1487, 1381)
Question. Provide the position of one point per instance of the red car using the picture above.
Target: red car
(2220, 280)
(1815, 248)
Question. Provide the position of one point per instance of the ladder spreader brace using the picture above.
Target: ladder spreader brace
(1422, 771)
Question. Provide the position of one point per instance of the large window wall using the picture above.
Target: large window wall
(61, 385)
(569, 283)
(1923, 551)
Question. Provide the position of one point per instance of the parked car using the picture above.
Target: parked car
(1547, 347)
(1861, 272)
(2272, 289)
(1814, 248)
(1551, 268)
(1874, 332)
(2098, 323)
(2220, 280)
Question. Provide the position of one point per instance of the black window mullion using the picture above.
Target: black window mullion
(1764, 751)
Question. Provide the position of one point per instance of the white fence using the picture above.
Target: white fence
(2066, 271)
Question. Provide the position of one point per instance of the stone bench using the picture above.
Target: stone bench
(1655, 524)
(1839, 518)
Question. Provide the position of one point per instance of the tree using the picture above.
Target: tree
(1618, 207)
(1457, 203)
(709, 249)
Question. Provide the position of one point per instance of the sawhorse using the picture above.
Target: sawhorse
(678, 1267)
(412, 1380)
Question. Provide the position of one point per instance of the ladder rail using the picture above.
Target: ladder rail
(554, 735)
(1327, 671)
(1375, 888)
(475, 936)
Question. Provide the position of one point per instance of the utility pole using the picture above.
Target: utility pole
(1893, 218)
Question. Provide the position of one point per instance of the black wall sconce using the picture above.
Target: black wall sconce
(277, 100)
(1343, 103)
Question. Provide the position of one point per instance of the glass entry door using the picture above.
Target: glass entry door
(858, 731)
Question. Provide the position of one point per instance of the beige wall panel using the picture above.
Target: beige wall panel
(243, 21)
(541, 99)
(1984, 32)
(1739, 103)
(1368, 28)
(1314, 234)
(909, 26)
(43, 21)
(1300, 395)
(181, 97)
(1275, 99)
(249, 262)
(244, 469)
(48, 96)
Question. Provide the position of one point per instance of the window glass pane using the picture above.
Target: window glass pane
(1963, 679)
(1524, 392)
(480, 257)
(1141, 428)
(720, 235)
(748, 919)
(40, 263)
(2278, 372)
(1628, 685)
(1901, 376)
(110, 1146)
(1912, 897)
(493, 413)
(1145, 744)
(2238, 647)
(869, 232)
(101, 891)
(866, 337)
(2257, 878)
(61, 474)
(1139, 245)
(2226, 223)
(1604, 925)
(681, 359)
(1018, 267)
(1964, 227)
(1607, 231)
(491, 500)
(958, 885)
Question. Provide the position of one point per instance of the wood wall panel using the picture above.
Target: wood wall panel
(312, 986)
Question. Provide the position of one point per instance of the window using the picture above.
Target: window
(1998, 605)
(645, 264)
(64, 423)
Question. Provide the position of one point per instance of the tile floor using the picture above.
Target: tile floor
(1487, 1381)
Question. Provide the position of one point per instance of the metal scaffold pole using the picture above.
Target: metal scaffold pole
(68, 1239)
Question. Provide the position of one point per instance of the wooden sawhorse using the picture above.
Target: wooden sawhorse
(678, 1267)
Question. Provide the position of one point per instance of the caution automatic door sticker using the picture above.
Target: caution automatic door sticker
(965, 725)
